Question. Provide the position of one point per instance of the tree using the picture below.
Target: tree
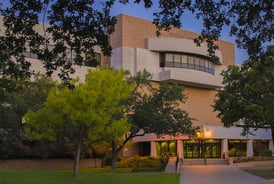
(251, 22)
(25, 95)
(16, 98)
(153, 110)
(75, 27)
(82, 115)
(248, 94)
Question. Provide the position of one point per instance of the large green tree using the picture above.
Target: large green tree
(85, 114)
(73, 29)
(77, 26)
(23, 96)
(248, 95)
(153, 110)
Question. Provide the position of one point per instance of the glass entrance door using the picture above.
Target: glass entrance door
(212, 150)
(192, 151)
(197, 148)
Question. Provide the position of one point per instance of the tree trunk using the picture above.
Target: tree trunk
(77, 160)
(272, 132)
(114, 155)
(114, 159)
(115, 151)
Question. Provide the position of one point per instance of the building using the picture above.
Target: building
(173, 57)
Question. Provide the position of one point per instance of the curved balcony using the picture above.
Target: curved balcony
(189, 77)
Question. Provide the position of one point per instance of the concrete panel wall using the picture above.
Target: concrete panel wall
(138, 59)
(80, 71)
(178, 45)
(214, 132)
(135, 31)
(220, 132)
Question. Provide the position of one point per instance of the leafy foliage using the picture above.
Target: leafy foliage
(156, 110)
(24, 95)
(153, 110)
(251, 22)
(75, 27)
(248, 94)
(159, 112)
(142, 164)
(91, 104)
(16, 98)
(86, 114)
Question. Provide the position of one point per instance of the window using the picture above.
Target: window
(211, 69)
(144, 148)
(92, 61)
(191, 62)
(197, 63)
(28, 52)
(202, 65)
(237, 147)
(166, 147)
(169, 57)
(178, 60)
(206, 66)
(70, 55)
(169, 60)
(184, 61)
(261, 148)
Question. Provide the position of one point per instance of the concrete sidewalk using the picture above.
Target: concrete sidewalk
(216, 174)
(171, 165)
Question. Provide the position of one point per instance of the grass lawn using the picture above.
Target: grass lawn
(65, 177)
(266, 165)
(264, 173)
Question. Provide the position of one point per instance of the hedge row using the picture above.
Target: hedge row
(142, 163)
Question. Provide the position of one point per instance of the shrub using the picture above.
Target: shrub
(147, 170)
(265, 153)
(141, 163)
(235, 152)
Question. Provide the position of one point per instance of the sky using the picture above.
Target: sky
(188, 22)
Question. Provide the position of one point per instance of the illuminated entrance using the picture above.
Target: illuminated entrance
(197, 148)
(166, 147)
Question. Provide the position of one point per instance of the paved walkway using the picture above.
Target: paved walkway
(216, 174)
(171, 165)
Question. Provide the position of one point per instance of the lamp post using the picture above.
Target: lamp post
(204, 152)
